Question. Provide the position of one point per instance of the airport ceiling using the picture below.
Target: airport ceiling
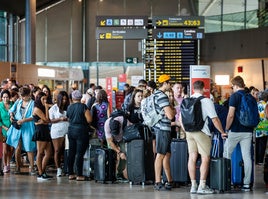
(17, 7)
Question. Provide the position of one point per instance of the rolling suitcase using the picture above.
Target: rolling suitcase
(140, 162)
(105, 165)
(179, 161)
(237, 167)
(220, 168)
(89, 158)
(220, 174)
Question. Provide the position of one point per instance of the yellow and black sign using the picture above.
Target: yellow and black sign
(178, 21)
(120, 33)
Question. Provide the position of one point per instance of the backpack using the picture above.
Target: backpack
(248, 115)
(149, 114)
(114, 123)
(191, 114)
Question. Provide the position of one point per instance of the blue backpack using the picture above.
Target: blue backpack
(248, 114)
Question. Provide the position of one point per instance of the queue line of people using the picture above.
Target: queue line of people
(79, 118)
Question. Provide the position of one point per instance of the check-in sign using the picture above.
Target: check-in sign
(120, 33)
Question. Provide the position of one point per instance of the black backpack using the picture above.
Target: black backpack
(191, 114)
(114, 123)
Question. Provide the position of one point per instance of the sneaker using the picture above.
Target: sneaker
(193, 189)
(168, 185)
(59, 172)
(44, 175)
(6, 169)
(40, 177)
(205, 190)
(246, 188)
(158, 186)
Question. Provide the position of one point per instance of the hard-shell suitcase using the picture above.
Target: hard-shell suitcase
(105, 165)
(220, 168)
(179, 161)
(89, 158)
(140, 162)
(237, 166)
(220, 174)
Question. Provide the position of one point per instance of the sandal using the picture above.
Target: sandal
(72, 177)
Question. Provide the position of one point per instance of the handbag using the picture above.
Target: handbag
(132, 132)
(15, 124)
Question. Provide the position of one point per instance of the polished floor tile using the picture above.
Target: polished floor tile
(28, 187)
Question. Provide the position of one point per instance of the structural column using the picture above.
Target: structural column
(30, 32)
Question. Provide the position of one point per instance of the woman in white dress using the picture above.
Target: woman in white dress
(59, 127)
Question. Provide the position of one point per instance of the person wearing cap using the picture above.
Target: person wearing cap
(78, 135)
(162, 131)
(114, 137)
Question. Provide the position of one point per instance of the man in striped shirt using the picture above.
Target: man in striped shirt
(162, 131)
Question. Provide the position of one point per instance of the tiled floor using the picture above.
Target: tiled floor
(25, 186)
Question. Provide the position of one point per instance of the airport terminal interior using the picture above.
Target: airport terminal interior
(66, 43)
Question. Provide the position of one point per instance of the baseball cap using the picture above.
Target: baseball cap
(163, 78)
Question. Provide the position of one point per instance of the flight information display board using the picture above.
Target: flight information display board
(171, 57)
(171, 46)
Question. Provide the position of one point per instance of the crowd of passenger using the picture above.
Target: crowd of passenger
(35, 120)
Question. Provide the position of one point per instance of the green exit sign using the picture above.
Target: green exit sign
(131, 60)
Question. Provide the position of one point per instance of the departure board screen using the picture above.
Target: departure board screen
(172, 57)
(171, 46)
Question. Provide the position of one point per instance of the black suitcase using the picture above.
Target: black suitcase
(105, 165)
(140, 162)
(179, 161)
(220, 174)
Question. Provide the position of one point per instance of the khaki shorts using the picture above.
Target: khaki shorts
(198, 142)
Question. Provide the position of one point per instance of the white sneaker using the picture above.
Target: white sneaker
(59, 172)
(205, 190)
(193, 189)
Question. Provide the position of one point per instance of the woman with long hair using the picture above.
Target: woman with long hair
(134, 108)
(5, 123)
(100, 112)
(59, 127)
(42, 134)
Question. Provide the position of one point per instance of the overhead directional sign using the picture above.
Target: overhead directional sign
(179, 33)
(178, 21)
(121, 33)
(121, 21)
(131, 60)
